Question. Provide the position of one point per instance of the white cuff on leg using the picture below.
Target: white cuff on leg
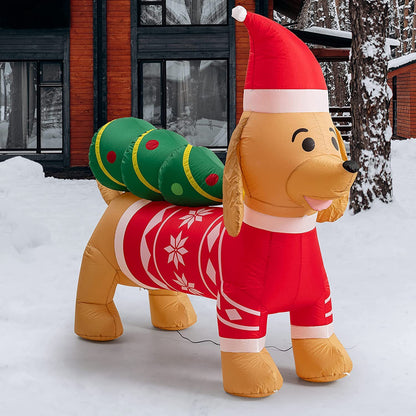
(242, 345)
(303, 332)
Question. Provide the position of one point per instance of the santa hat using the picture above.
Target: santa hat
(283, 75)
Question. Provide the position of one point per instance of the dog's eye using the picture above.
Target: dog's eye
(308, 144)
(335, 143)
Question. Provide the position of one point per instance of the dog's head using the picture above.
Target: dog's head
(286, 165)
(285, 155)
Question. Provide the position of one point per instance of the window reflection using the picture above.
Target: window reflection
(51, 117)
(18, 105)
(196, 12)
(27, 98)
(152, 93)
(183, 12)
(196, 96)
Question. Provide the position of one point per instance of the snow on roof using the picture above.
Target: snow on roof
(329, 32)
(402, 60)
(343, 34)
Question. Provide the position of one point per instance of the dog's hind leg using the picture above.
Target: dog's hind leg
(171, 310)
(96, 316)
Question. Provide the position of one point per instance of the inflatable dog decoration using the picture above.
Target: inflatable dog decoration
(286, 168)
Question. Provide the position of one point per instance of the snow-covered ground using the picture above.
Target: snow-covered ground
(45, 369)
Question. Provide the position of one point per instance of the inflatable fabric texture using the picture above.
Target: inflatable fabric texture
(286, 169)
(144, 157)
(108, 146)
(130, 154)
(191, 176)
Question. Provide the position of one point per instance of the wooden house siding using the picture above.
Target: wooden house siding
(406, 100)
(81, 81)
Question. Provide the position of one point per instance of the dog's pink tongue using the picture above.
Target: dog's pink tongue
(318, 204)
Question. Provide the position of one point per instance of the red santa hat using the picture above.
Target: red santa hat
(283, 75)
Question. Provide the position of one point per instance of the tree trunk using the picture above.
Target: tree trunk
(413, 27)
(370, 96)
(405, 27)
(395, 31)
(307, 16)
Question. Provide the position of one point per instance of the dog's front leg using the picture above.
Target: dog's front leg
(250, 374)
(247, 368)
(319, 355)
(96, 316)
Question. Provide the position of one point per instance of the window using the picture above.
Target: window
(189, 97)
(182, 12)
(31, 106)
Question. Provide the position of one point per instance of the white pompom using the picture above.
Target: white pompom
(239, 13)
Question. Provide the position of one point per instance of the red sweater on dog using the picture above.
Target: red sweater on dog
(162, 246)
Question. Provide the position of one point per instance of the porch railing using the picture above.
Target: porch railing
(341, 116)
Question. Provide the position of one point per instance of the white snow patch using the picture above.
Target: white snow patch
(402, 60)
(344, 34)
(329, 32)
(45, 369)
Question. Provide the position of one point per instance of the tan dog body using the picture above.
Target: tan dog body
(276, 173)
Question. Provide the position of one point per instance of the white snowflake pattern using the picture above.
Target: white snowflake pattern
(176, 249)
(186, 286)
(193, 216)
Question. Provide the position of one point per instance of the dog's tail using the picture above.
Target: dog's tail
(107, 193)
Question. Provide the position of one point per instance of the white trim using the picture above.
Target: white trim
(236, 326)
(286, 101)
(168, 286)
(303, 332)
(242, 345)
(239, 13)
(209, 230)
(119, 239)
(328, 314)
(328, 299)
(274, 224)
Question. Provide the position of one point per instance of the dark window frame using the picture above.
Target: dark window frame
(209, 42)
(40, 83)
(163, 100)
(163, 4)
(41, 45)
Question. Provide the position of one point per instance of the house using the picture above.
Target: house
(69, 66)
(402, 81)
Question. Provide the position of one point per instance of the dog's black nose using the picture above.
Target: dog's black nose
(351, 166)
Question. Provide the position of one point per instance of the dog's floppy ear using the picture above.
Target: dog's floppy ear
(337, 208)
(233, 183)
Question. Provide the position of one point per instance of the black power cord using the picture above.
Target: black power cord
(216, 343)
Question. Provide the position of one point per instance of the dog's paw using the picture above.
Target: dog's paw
(321, 360)
(97, 322)
(171, 310)
(250, 374)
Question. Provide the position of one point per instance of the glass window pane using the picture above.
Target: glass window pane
(197, 101)
(17, 105)
(51, 117)
(151, 104)
(196, 12)
(51, 72)
(150, 15)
